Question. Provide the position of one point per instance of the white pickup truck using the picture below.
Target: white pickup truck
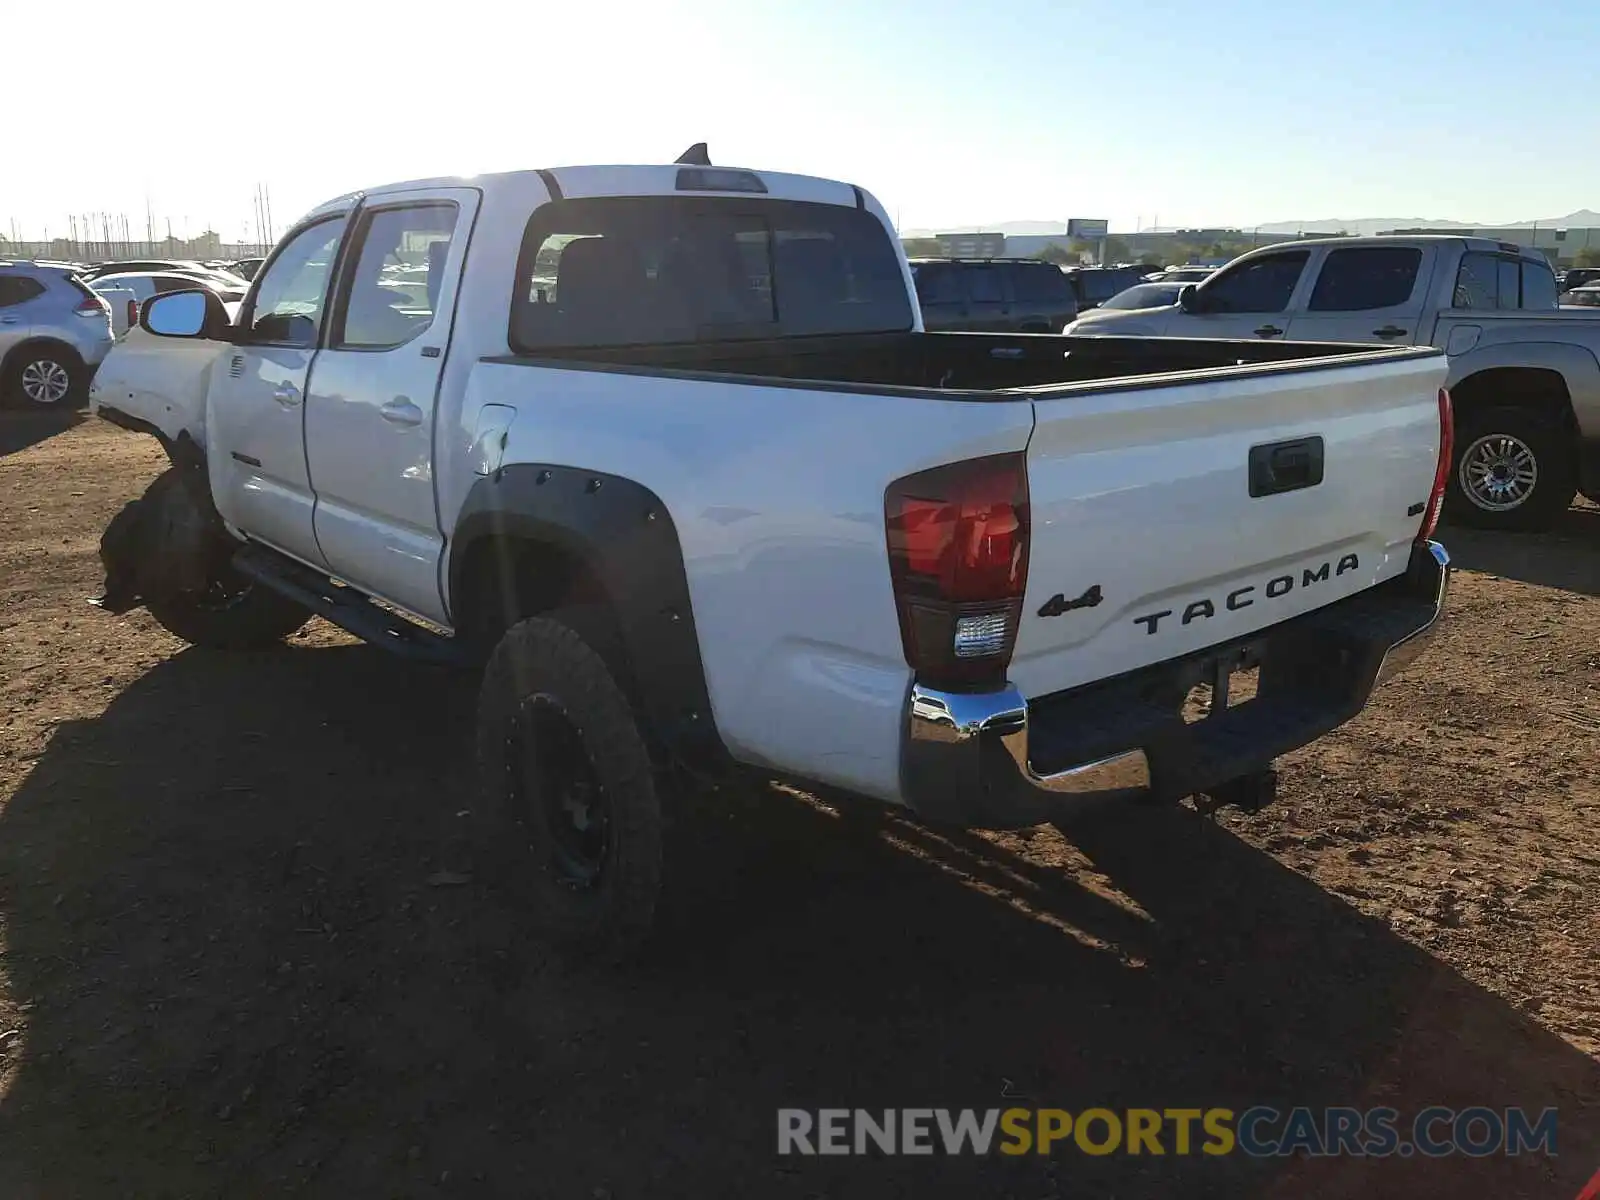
(666, 448)
(1524, 373)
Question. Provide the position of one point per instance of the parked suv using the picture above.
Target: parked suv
(53, 333)
(1015, 295)
(1093, 286)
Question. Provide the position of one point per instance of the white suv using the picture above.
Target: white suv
(54, 332)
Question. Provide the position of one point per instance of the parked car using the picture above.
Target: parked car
(1093, 286)
(1587, 296)
(246, 268)
(141, 285)
(699, 492)
(1022, 295)
(54, 331)
(225, 280)
(1144, 295)
(1185, 275)
(1524, 373)
(1578, 277)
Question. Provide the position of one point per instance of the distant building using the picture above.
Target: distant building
(972, 245)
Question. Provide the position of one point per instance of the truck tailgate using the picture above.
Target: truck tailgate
(1147, 542)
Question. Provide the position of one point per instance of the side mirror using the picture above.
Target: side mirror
(185, 314)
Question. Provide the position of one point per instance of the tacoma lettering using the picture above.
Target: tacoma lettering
(1275, 588)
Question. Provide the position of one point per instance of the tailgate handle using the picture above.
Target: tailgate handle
(1285, 466)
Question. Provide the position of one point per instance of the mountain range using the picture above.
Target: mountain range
(1584, 218)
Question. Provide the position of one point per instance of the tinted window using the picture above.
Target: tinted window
(1477, 282)
(390, 295)
(175, 283)
(1538, 286)
(1370, 277)
(1043, 284)
(18, 289)
(1262, 285)
(611, 272)
(293, 292)
(1146, 295)
(1510, 282)
(938, 284)
(985, 285)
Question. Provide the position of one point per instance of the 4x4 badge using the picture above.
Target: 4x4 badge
(1059, 604)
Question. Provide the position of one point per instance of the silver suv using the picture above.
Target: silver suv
(54, 332)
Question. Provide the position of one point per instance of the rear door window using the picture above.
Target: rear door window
(938, 283)
(985, 284)
(1262, 285)
(1039, 285)
(1366, 278)
(621, 271)
(18, 289)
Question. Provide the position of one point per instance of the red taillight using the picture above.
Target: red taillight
(133, 313)
(1441, 473)
(958, 558)
(91, 306)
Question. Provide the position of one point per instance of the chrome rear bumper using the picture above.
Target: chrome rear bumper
(997, 760)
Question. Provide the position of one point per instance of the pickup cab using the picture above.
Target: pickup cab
(665, 453)
(1524, 373)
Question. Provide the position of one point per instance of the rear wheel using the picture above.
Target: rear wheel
(1514, 470)
(568, 813)
(46, 376)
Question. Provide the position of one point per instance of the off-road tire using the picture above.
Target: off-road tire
(1553, 489)
(49, 358)
(542, 661)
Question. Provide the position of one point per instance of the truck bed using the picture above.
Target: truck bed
(954, 362)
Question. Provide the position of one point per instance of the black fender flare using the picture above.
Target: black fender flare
(624, 536)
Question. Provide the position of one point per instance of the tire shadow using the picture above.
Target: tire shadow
(1567, 557)
(250, 959)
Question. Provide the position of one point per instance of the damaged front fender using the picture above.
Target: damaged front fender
(157, 385)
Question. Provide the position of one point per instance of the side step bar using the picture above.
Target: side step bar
(347, 608)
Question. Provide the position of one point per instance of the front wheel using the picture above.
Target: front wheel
(568, 809)
(233, 613)
(1513, 470)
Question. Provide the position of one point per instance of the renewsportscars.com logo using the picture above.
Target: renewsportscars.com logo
(1260, 1131)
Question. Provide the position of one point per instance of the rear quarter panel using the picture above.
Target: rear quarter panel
(777, 496)
(1566, 342)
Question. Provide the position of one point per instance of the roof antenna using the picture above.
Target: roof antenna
(695, 156)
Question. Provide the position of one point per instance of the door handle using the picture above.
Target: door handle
(400, 411)
(1389, 331)
(8, 321)
(286, 394)
(1267, 331)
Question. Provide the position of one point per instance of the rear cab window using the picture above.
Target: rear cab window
(1488, 281)
(617, 271)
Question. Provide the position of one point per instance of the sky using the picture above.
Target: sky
(952, 112)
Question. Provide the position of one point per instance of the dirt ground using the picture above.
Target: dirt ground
(243, 954)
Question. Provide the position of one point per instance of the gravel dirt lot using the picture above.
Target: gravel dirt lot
(243, 954)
